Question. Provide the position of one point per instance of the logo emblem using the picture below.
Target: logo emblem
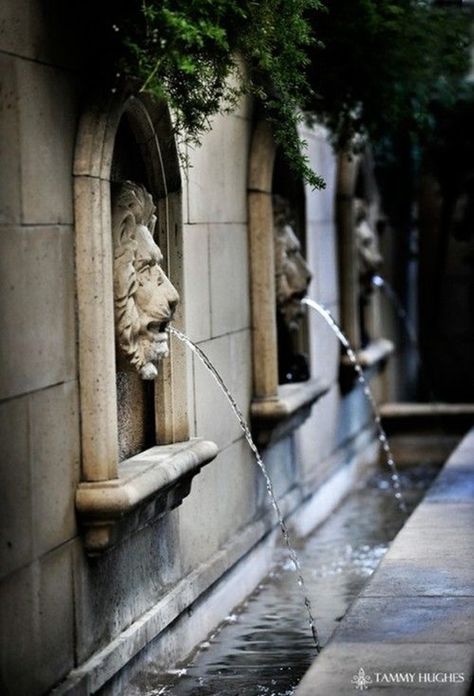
(361, 680)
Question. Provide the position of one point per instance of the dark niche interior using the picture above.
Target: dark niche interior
(293, 345)
(135, 396)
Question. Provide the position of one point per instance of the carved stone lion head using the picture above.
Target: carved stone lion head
(368, 253)
(292, 275)
(144, 298)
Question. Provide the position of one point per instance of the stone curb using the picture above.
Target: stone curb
(412, 628)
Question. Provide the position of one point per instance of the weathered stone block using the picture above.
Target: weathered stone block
(103, 611)
(280, 462)
(217, 188)
(196, 282)
(325, 348)
(55, 649)
(327, 268)
(33, 30)
(198, 531)
(47, 104)
(320, 203)
(312, 256)
(54, 428)
(229, 278)
(10, 177)
(355, 414)
(37, 346)
(15, 487)
(317, 437)
(237, 489)
(213, 413)
(240, 362)
(18, 634)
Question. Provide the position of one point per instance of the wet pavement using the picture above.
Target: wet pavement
(265, 646)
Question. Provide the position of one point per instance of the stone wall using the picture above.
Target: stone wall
(58, 606)
(39, 420)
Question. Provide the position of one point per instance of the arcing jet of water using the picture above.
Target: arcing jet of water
(395, 477)
(391, 295)
(248, 436)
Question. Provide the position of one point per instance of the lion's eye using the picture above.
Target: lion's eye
(147, 266)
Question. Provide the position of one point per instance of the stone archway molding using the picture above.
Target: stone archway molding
(114, 498)
(276, 409)
(351, 167)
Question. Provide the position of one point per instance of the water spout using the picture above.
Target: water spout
(269, 486)
(383, 285)
(382, 436)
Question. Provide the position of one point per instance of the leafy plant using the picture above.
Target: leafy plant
(385, 63)
(201, 55)
(376, 65)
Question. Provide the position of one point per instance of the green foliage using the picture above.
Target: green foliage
(376, 66)
(384, 64)
(201, 55)
(449, 149)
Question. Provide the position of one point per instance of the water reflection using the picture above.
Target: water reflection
(263, 648)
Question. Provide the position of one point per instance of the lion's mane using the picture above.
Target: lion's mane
(133, 206)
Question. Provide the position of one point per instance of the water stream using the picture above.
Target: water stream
(382, 436)
(268, 482)
(390, 293)
(383, 285)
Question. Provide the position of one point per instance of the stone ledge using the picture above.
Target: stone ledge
(415, 613)
(406, 417)
(404, 410)
(374, 353)
(148, 485)
(275, 417)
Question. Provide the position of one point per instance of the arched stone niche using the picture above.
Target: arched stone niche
(121, 137)
(359, 220)
(293, 345)
(276, 408)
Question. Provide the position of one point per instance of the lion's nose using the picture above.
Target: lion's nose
(172, 297)
(300, 294)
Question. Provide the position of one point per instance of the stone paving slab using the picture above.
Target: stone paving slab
(339, 665)
(444, 546)
(409, 620)
(416, 614)
(433, 517)
(455, 484)
(406, 578)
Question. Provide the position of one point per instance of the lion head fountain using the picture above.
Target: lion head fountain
(292, 278)
(368, 252)
(144, 297)
(369, 260)
(292, 275)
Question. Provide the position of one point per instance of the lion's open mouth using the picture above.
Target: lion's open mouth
(159, 330)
